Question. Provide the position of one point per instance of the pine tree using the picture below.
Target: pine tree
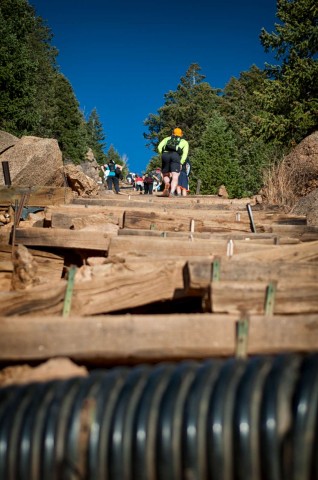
(290, 97)
(241, 108)
(112, 154)
(35, 98)
(188, 107)
(69, 124)
(96, 136)
(215, 162)
(27, 63)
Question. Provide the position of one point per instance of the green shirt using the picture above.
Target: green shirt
(184, 145)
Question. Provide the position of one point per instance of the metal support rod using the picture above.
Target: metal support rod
(242, 327)
(18, 208)
(250, 214)
(270, 298)
(6, 173)
(216, 266)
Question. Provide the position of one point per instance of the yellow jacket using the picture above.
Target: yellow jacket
(183, 145)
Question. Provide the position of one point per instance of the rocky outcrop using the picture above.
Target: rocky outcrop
(308, 206)
(34, 161)
(90, 166)
(302, 164)
(79, 182)
(7, 140)
(223, 192)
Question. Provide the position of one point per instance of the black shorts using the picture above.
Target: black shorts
(170, 162)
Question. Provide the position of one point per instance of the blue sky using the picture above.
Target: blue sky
(121, 57)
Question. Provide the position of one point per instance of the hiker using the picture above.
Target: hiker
(148, 183)
(174, 150)
(157, 179)
(129, 178)
(139, 183)
(112, 173)
(183, 180)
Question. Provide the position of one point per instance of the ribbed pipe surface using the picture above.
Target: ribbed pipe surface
(252, 419)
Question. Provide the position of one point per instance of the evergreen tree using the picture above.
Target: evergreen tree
(290, 97)
(241, 107)
(215, 162)
(188, 107)
(35, 98)
(69, 124)
(240, 104)
(112, 154)
(96, 136)
(27, 63)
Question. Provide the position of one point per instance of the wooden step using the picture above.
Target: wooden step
(37, 196)
(62, 238)
(200, 274)
(117, 339)
(166, 246)
(105, 288)
(245, 297)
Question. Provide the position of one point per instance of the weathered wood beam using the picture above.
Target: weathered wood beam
(250, 297)
(105, 288)
(290, 230)
(199, 274)
(77, 221)
(211, 200)
(266, 238)
(38, 196)
(45, 298)
(132, 338)
(63, 238)
(303, 252)
(183, 247)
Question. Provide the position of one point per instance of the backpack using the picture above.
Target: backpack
(119, 173)
(186, 167)
(172, 144)
(148, 178)
(111, 167)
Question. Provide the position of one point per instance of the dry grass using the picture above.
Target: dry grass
(292, 178)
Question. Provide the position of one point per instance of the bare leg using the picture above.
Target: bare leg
(174, 182)
(166, 180)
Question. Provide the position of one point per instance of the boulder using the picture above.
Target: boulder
(308, 206)
(7, 140)
(79, 182)
(34, 161)
(90, 166)
(302, 165)
(90, 155)
(223, 192)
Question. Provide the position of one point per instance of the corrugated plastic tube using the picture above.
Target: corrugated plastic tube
(234, 419)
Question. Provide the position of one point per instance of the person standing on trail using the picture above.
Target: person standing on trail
(112, 172)
(183, 180)
(174, 151)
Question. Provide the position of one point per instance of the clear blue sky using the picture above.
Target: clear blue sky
(121, 57)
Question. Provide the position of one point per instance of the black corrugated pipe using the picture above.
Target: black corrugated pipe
(233, 419)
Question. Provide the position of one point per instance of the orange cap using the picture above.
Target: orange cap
(178, 132)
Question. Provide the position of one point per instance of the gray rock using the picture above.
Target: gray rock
(34, 161)
(7, 140)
